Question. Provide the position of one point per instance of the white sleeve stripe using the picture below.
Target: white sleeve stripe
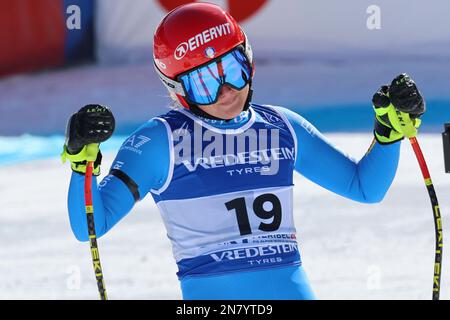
(171, 155)
(291, 129)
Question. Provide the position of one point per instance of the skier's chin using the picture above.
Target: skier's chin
(229, 105)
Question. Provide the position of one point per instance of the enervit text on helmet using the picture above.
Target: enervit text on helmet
(193, 35)
(200, 39)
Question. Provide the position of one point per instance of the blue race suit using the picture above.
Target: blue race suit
(225, 193)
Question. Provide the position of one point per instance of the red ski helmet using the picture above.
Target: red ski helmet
(192, 35)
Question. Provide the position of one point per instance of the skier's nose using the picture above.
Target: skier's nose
(225, 90)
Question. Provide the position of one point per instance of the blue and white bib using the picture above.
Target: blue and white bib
(227, 203)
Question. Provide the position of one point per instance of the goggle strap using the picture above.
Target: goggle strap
(171, 85)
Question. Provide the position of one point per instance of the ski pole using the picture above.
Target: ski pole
(436, 216)
(91, 229)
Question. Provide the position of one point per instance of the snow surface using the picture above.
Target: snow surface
(350, 250)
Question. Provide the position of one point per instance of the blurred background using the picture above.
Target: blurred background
(318, 58)
(322, 59)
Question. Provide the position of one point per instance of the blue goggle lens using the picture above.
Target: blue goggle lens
(202, 85)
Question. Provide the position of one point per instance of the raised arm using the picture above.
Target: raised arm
(398, 108)
(366, 180)
(141, 164)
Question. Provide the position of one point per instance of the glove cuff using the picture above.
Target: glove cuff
(386, 135)
(78, 162)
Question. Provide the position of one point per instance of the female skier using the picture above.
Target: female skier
(220, 168)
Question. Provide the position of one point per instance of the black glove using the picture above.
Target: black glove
(405, 96)
(397, 110)
(91, 124)
(86, 129)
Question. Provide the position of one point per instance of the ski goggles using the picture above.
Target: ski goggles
(202, 85)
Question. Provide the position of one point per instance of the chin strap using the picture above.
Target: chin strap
(199, 112)
(249, 97)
